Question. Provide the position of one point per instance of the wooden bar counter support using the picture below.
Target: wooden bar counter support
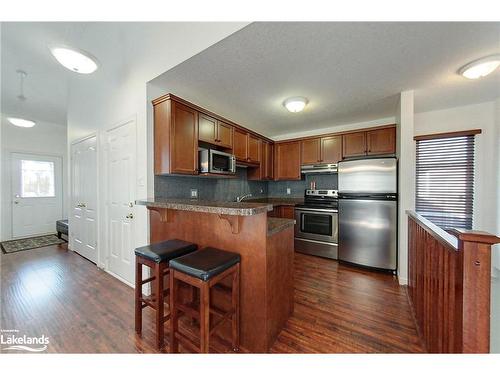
(266, 289)
(449, 286)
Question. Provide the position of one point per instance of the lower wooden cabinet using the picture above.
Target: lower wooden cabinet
(287, 161)
(284, 212)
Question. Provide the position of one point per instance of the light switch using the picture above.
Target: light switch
(288, 191)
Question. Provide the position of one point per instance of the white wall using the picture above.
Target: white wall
(44, 138)
(130, 56)
(405, 149)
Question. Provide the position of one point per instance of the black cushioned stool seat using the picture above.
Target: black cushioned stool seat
(156, 257)
(166, 250)
(206, 263)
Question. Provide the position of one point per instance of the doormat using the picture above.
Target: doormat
(13, 246)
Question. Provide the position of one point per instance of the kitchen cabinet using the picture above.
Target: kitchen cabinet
(381, 141)
(224, 135)
(287, 161)
(240, 145)
(284, 212)
(264, 171)
(370, 142)
(321, 150)
(331, 149)
(310, 151)
(354, 144)
(215, 132)
(254, 148)
(175, 138)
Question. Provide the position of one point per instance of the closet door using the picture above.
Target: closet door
(83, 221)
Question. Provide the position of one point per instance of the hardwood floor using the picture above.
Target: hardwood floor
(338, 309)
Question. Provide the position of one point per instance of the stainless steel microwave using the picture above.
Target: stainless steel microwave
(213, 161)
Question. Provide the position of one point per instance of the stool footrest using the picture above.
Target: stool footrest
(189, 309)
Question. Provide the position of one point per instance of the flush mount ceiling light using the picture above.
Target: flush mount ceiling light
(21, 122)
(295, 104)
(480, 68)
(76, 60)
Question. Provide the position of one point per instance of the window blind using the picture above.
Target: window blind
(445, 180)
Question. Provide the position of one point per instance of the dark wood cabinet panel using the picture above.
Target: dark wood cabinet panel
(175, 139)
(224, 135)
(268, 160)
(331, 149)
(354, 144)
(287, 212)
(310, 151)
(381, 141)
(240, 145)
(287, 161)
(254, 149)
(207, 128)
(184, 139)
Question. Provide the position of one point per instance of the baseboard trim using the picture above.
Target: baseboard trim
(120, 278)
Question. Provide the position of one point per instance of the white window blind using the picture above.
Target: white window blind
(445, 179)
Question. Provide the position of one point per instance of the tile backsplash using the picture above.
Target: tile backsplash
(227, 189)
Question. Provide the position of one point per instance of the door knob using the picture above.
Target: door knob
(16, 202)
(130, 216)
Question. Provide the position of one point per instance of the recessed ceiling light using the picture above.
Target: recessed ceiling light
(481, 67)
(21, 122)
(295, 104)
(76, 60)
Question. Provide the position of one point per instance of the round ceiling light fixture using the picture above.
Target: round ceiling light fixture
(481, 67)
(76, 60)
(23, 123)
(295, 104)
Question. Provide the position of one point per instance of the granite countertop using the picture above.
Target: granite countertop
(245, 208)
(278, 201)
(276, 225)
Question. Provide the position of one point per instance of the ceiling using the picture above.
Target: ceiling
(350, 72)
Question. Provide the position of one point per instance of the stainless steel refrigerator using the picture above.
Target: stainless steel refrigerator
(368, 212)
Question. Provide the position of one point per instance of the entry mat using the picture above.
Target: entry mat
(14, 246)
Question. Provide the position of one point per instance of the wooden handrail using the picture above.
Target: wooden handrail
(449, 286)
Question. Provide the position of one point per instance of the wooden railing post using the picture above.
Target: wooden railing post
(476, 249)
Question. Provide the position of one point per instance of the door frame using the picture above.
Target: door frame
(9, 184)
(70, 188)
(105, 158)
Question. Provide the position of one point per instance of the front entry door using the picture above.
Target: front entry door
(37, 194)
(120, 200)
(83, 221)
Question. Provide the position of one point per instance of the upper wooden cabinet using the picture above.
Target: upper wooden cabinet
(354, 144)
(381, 141)
(240, 145)
(371, 142)
(213, 131)
(310, 151)
(175, 138)
(287, 161)
(321, 150)
(254, 149)
(331, 149)
(224, 135)
(264, 171)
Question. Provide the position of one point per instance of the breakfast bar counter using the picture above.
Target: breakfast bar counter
(266, 247)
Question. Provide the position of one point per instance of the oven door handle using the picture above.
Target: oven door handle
(317, 209)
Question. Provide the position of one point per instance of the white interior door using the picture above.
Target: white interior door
(121, 176)
(83, 222)
(37, 194)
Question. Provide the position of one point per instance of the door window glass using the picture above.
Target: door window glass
(37, 179)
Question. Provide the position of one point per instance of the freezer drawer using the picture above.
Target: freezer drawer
(368, 232)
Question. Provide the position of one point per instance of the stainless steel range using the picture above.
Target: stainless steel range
(316, 229)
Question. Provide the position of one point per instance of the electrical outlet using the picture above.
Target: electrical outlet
(194, 193)
(288, 191)
(262, 191)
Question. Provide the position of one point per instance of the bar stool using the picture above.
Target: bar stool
(156, 256)
(203, 270)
